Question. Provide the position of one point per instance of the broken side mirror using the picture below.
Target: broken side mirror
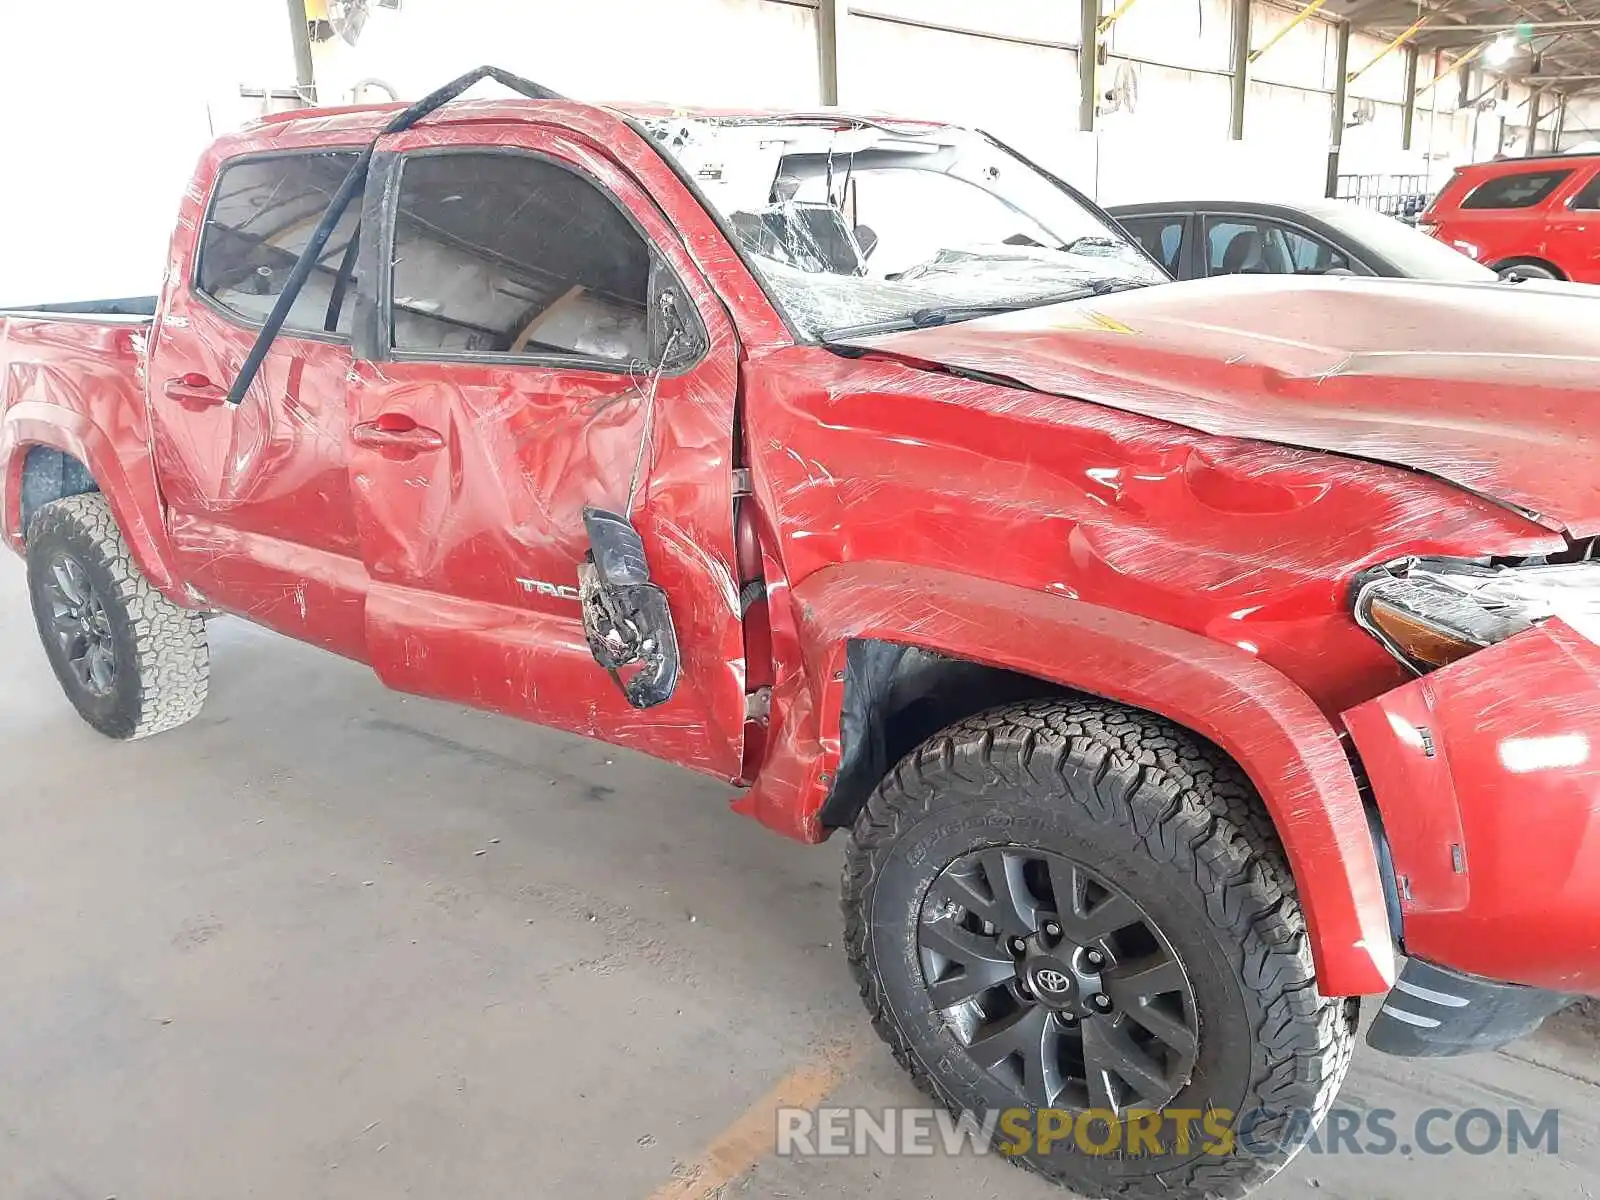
(676, 336)
(625, 617)
(867, 241)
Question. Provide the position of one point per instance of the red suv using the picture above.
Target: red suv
(1535, 217)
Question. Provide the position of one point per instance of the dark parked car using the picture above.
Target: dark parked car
(1194, 239)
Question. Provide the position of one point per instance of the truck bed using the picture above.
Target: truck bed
(72, 411)
(126, 306)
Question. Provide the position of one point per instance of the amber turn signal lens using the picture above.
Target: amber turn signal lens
(1416, 639)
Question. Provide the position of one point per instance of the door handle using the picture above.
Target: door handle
(195, 390)
(396, 435)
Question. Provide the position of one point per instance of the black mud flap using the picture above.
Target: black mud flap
(625, 616)
(1434, 1012)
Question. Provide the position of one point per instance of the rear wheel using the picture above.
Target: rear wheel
(132, 662)
(1075, 906)
(1526, 270)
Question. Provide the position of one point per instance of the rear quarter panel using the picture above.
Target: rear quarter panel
(77, 385)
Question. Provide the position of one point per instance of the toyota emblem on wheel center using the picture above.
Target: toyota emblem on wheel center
(1053, 981)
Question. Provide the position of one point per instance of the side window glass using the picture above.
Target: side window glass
(1313, 256)
(262, 215)
(1240, 246)
(1237, 246)
(1589, 195)
(1162, 238)
(509, 254)
(1522, 190)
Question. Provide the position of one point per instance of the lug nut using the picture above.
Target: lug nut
(1069, 1018)
(1094, 958)
(1019, 946)
(1051, 928)
(1101, 1001)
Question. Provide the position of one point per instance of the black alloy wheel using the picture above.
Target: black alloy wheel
(1068, 905)
(1057, 982)
(79, 623)
(131, 661)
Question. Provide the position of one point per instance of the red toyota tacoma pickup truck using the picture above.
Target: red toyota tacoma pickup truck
(1177, 657)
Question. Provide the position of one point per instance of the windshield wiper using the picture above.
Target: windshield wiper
(945, 314)
(949, 314)
(925, 318)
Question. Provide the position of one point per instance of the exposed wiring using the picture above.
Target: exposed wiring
(647, 434)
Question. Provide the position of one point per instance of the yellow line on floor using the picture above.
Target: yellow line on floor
(751, 1137)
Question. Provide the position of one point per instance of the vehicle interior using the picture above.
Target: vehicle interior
(562, 269)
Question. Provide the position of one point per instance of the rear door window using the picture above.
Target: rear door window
(1589, 195)
(261, 217)
(1161, 236)
(1524, 189)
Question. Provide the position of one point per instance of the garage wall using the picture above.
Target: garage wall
(1022, 87)
(1517, 115)
(1038, 20)
(735, 52)
(1303, 58)
(98, 154)
(1006, 65)
(1175, 142)
(1583, 122)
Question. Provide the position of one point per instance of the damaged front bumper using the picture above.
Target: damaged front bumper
(1486, 774)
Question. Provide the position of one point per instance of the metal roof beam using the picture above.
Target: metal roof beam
(1532, 27)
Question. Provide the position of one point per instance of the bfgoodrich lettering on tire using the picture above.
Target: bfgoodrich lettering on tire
(1072, 904)
(132, 662)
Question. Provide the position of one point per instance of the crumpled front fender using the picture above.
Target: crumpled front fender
(1271, 728)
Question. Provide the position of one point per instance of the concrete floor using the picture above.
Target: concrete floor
(328, 941)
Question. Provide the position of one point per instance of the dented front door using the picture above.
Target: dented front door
(509, 386)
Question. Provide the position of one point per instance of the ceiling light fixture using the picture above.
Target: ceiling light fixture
(1500, 51)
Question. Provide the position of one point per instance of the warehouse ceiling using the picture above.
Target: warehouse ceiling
(1557, 41)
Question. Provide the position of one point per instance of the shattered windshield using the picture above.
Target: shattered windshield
(860, 226)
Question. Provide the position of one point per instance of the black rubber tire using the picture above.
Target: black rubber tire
(1179, 827)
(160, 650)
(1528, 270)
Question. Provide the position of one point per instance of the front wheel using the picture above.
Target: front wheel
(131, 661)
(1077, 907)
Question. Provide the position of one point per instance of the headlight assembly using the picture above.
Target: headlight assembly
(1432, 611)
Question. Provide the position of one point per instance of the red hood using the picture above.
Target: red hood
(1492, 387)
